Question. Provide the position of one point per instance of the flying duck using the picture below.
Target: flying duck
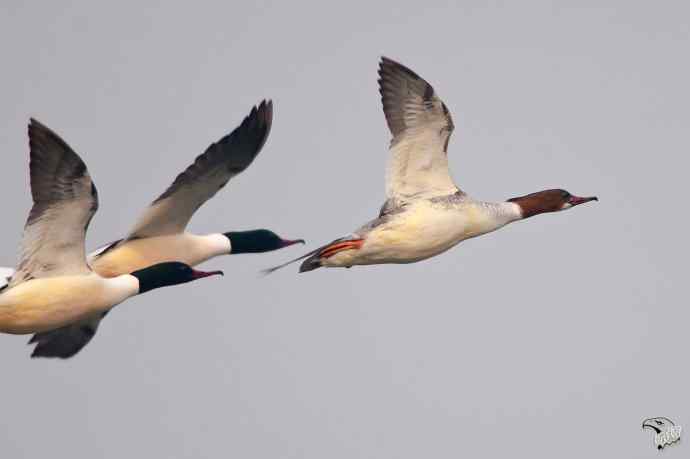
(425, 213)
(159, 235)
(53, 285)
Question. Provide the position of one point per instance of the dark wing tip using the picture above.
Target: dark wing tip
(404, 95)
(261, 120)
(234, 152)
(393, 75)
(62, 343)
(388, 68)
(43, 141)
(40, 132)
(398, 85)
(265, 112)
(247, 140)
(35, 124)
(52, 162)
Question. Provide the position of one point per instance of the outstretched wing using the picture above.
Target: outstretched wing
(171, 212)
(421, 126)
(67, 341)
(65, 200)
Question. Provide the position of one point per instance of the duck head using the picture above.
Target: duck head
(257, 241)
(548, 201)
(167, 274)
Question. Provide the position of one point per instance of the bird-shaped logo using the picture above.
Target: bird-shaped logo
(666, 432)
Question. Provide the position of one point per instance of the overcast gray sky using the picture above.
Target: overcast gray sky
(552, 337)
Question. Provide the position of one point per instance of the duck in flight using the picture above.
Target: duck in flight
(160, 233)
(425, 213)
(53, 285)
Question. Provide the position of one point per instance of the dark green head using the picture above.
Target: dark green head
(257, 241)
(166, 274)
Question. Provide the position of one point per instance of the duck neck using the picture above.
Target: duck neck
(127, 284)
(215, 244)
(528, 206)
(503, 212)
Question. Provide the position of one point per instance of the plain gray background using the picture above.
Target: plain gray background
(552, 337)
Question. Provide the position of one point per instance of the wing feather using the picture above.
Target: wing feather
(172, 211)
(65, 199)
(421, 126)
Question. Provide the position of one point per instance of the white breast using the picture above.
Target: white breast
(45, 304)
(426, 229)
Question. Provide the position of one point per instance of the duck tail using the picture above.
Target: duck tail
(311, 263)
(314, 259)
(287, 263)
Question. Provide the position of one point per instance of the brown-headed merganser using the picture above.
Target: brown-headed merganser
(425, 213)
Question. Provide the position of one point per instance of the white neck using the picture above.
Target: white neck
(504, 212)
(124, 286)
(216, 244)
(512, 211)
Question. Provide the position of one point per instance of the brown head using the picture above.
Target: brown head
(548, 201)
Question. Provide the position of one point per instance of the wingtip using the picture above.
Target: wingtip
(38, 130)
(388, 63)
(385, 60)
(34, 122)
(261, 115)
(388, 68)
(266, 107)
(35, 126)
(46, 351)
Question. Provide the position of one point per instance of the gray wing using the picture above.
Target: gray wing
(421, 126)
(171, 212)
(67, 341)
(65, 200)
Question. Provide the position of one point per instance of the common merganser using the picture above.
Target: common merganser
(53, 285)
(425, 213)
(159, 235)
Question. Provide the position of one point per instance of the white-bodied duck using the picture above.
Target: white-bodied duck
(425, 213)
(53, 285)
(159, 235)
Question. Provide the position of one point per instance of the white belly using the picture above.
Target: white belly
(45, 304)
(421, 232)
